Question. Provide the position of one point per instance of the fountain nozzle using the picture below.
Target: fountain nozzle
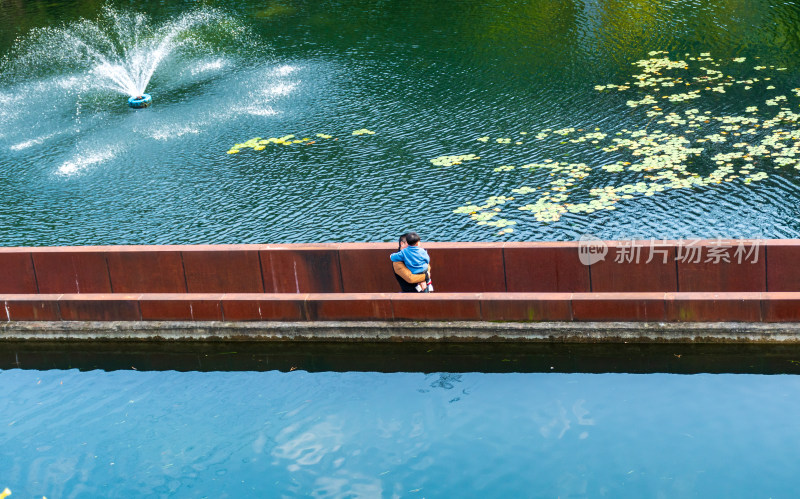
(140, 102)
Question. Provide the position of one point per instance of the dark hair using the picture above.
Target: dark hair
(400, 242)
(412, 238)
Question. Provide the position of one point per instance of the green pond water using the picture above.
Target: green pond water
(492, 121)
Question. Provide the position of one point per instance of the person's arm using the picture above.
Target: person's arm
(401, 270)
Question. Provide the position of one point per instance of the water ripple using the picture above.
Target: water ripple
(427, 89)
(170, 434)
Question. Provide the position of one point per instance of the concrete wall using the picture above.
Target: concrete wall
(748, 281)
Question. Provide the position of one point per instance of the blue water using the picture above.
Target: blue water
(272, 434)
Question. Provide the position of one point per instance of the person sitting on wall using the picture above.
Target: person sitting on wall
(406, 260)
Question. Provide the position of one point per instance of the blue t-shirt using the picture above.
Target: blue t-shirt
(414, 257)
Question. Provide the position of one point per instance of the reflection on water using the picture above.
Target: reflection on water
(250, 434)
(428, 84)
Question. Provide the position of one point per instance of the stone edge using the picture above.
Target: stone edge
(384, 331)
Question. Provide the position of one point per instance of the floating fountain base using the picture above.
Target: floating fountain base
(140, 102)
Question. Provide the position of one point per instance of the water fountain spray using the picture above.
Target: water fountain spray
(120, 50)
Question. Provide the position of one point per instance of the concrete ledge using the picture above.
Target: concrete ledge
(384, 331)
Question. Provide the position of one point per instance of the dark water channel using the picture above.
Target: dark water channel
(388, 357)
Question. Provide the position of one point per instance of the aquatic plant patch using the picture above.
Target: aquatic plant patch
(259, 144)
(681, 145)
